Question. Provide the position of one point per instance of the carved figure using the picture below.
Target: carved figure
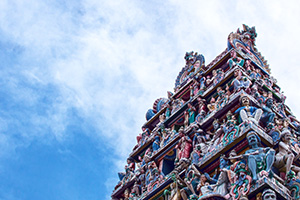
(203, 186)
(234, 60)
(241, 82)
(217, 136)
(222, 98)
(196, 154)
(293, 184)
(218, 77)
(268, 115)
(285, 157)
(202, 110)
(212, 105)
(268, 194)
(248, 113)
(184, 146)
(242, 182)
(259, 159)
(156, 142)
(191, 112)
(191, 181)
(221, 181)
(230, 128)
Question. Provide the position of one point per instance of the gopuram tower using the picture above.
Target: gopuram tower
(223, 133)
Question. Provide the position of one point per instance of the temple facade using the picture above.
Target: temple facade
(223, 133)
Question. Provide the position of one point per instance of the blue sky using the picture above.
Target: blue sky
(77, 78)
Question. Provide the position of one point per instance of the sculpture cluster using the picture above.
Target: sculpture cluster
(225, 133)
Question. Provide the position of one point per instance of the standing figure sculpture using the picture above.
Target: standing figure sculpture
(268, 115)
(285, 157)
(259, 159)
(184, 146)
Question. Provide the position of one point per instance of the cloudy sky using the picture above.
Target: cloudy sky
(77, 78)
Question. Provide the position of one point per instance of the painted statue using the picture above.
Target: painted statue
(221, 181)
(259, 159)
(184, 146)
(230, 128)
(242, 182)
(248, 113)
(234, 60)
(268, 194)
(241, 82)
(268, 115)
(217, 135)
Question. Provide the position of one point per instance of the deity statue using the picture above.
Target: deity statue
(248, 113)
(184, 145)
(219, 77)
(241, 82)
(217, 135)
(230, 128)
(191, 180)
(156, 142)
(222, 98)
(196, 154)
(260, 160)
(285, 157)
(191, 113)
(242, 182)
(268, 115)
(234, 60)
(201, 110)
(221, 181)
(268, 194)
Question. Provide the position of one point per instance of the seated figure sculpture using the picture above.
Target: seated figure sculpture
(248, 113)
(259, 159)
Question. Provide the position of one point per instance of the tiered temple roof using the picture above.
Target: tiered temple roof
(223, 133)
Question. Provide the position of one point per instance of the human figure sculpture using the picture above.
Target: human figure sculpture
(268, 194)
(217, 135)
(166, 137)
(210, 79)
(196, 154)
(130, 164)
(242, 182)
(248, 113)
(234, 60)
(184, 145)
(268, 115)
(201, 110)
(219, 76)
(221, 180)
(212, 105)
(241, 82)
(156, 142)
(191, 180)
(259, 159)
(230, 128)
(285, 157)
(192, 113)
(203, 186)
(222, 98)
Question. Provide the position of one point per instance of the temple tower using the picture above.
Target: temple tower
(223, 133)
